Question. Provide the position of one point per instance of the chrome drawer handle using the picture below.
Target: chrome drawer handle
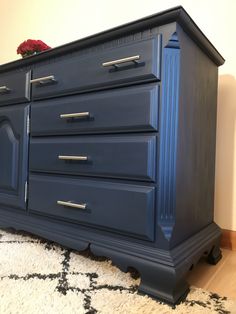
(74, 115)
(4, 89)
(43, 80)
(70, 204)
(120, 61)
(62, 157)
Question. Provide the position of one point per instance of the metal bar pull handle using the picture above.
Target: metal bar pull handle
(73, 205)
(74, 115)
(116, 63)
(43, 80)
(4, 89)
(79, 158)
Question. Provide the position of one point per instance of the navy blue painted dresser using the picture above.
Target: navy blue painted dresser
(108, 142)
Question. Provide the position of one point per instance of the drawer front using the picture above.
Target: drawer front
(93, 71)
(118, 207)
(122, 110)
(14, 88)
(128, 157)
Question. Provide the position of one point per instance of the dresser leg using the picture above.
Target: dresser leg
(215, 255)
(165, 283)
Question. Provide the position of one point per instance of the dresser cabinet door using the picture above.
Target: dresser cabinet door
(13, 156)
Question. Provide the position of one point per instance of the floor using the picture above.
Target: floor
(220, 278)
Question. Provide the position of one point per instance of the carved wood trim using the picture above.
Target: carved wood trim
(168, 135)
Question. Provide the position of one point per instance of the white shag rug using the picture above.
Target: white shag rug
(39, 276)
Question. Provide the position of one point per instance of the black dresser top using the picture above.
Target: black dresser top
(176, 14)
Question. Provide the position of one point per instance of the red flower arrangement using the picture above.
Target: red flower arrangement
(31, 46)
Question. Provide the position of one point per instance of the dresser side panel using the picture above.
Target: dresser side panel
(195, 157)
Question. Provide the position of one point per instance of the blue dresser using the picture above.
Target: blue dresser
(108, 142)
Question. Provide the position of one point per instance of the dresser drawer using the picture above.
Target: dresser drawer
(120, 110)
(128, 64)
(119, 207)
(14, 88)
(128, 157)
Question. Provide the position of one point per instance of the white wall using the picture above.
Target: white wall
(60, 21)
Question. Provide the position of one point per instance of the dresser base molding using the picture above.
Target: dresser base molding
(162, 272)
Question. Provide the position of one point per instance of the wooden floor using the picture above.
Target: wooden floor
(220, 278)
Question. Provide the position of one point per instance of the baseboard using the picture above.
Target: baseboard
(228, 240)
